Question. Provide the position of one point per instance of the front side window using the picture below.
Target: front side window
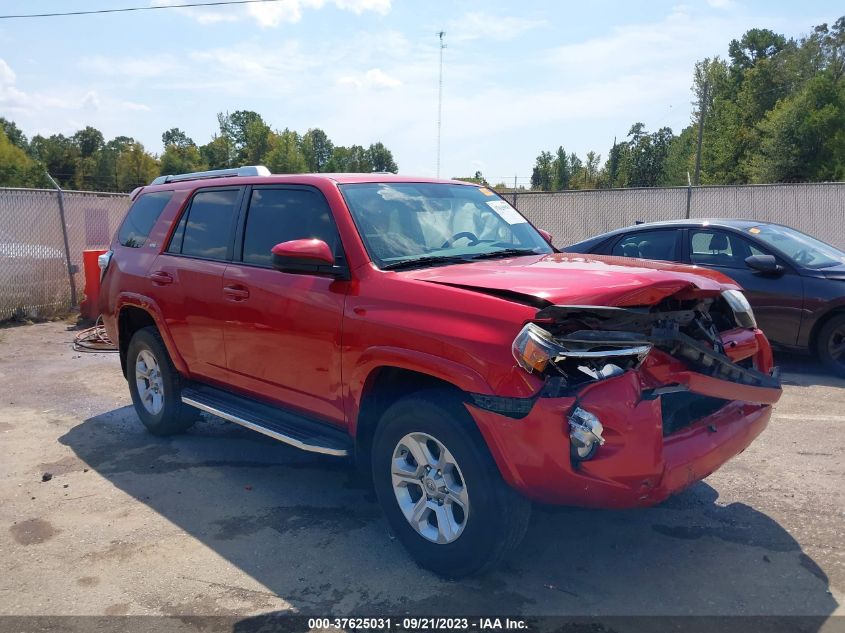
(660, 245)
(720, 248)
(282, 215)
(142, 217)
(408, 222)
(209, 224)
(799, 247)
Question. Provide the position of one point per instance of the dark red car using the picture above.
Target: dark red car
(427, 330)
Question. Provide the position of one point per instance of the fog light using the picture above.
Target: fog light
(584, 434)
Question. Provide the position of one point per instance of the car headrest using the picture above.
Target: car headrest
(647, 250)
(630, 250)
(719, 242)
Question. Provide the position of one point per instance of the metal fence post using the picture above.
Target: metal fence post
(689, 194)
(70, 267)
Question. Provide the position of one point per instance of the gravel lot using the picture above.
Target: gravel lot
(223, 521)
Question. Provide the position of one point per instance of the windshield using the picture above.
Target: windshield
(425, 223)
(802, 249)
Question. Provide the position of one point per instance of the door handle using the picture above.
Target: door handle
(236, 293)
(161, 278)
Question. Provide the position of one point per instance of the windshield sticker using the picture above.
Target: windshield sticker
(506, 212)
(485, 191)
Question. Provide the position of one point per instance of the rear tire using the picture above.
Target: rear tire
(831, 344)
(156, 386)
(462, 501)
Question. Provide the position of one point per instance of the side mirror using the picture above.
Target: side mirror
(764, 264)
(546, 236)
(303, 256)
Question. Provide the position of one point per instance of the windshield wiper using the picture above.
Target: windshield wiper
(424, 261)
(505, 252)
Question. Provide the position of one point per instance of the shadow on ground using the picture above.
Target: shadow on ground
(805, 371)
(304, 527)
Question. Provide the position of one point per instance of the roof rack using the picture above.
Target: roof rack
(252, 170)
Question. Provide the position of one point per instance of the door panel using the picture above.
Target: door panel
(188, 280)
(283, 330)
(778, 300)
(193, 312)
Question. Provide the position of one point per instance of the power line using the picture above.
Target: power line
(216, 3)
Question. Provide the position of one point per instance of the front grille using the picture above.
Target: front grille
(682, 408)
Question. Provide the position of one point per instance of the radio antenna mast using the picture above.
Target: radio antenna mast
(440, 99)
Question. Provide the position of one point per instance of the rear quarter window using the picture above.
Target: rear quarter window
(141, 218)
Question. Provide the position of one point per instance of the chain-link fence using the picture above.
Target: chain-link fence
(571, 216)
(34, 262)
(34, 277)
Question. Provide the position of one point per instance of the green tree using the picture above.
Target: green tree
(135, 167)
(14, 134)
(285, 156)
(17, 169)
(803, 137)
(542, 176)
(88, 141)
(381, 158)
(58, 155)
(353, 159)
(317, 149)
(754, 45)
(178, 138)
(561, 170)
(215, 153)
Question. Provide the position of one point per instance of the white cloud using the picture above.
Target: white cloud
(7, 75)
(721, 4)
(273, 14)
(130, 68)
(134, 107)
(373, 78)
(91, 101)
(479, 25)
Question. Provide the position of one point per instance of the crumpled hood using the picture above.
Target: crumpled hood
(566, 278)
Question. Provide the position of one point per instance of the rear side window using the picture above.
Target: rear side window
(659, 245)
(142, 217)
(281, 215)
(207, 228)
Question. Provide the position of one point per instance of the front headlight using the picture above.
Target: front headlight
(533, 348)
(743, 313)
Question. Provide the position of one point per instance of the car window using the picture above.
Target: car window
(209, 227)
(648, 245)
(718, 248)
(142, 217)
(281, 215)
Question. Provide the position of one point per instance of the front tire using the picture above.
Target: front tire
(440, 489)
(155, 385)
(831, 344)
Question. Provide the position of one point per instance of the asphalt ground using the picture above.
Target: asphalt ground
(223, 521)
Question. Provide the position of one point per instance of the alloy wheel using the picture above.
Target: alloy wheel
(430, 488)
(149, 382)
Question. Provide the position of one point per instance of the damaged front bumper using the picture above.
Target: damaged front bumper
(669, 419)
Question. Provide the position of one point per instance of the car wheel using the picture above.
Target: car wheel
(831, 344)
(440, 489)
(155, 385)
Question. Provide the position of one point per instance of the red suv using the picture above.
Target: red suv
(427, 330)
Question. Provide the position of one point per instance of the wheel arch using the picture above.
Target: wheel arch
(834, 312)
(385, 385)
(134, 314)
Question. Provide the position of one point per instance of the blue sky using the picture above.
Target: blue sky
(519, 77)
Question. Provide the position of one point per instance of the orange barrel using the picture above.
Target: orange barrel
(91, 268)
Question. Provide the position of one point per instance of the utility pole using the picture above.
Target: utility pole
(701, 115)
(440, 99)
